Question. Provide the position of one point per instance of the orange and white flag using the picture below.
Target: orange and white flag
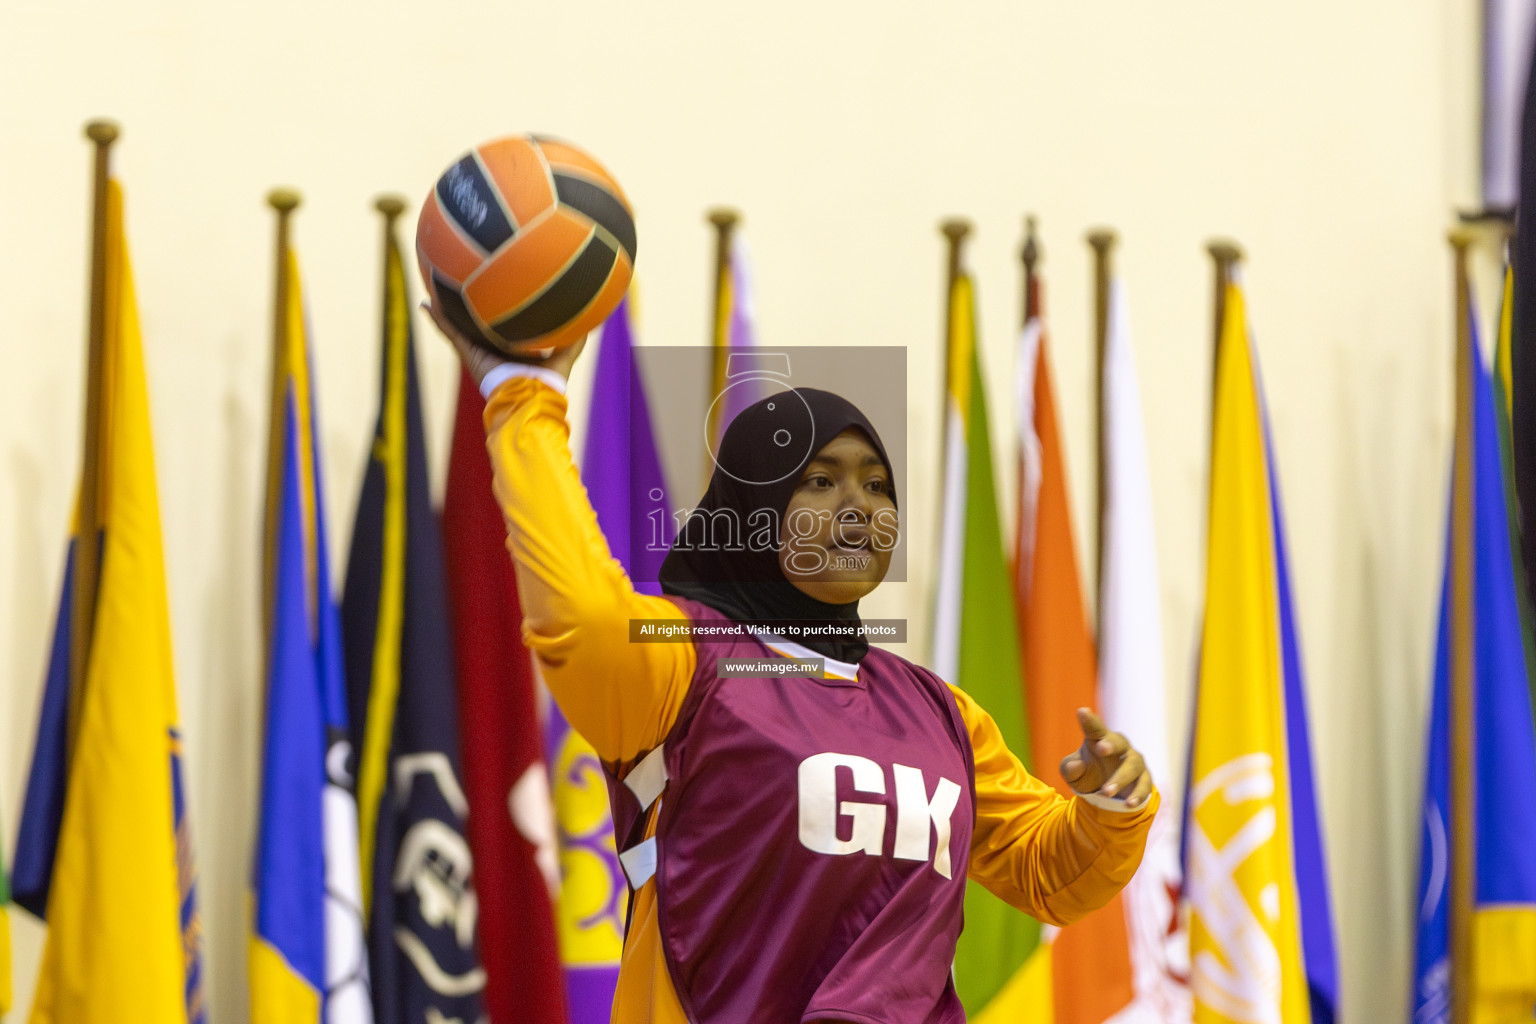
(1090, 960)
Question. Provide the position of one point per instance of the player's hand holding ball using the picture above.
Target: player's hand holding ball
(479, 360)
(525, 245)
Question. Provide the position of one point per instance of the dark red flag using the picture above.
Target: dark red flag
(511, 826)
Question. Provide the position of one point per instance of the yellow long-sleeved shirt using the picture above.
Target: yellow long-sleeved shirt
(1054, 858)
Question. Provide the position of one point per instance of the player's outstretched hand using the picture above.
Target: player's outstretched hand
(1106, 764)
(479, 360)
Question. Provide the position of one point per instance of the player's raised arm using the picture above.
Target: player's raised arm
(526, 244)
(577, 601)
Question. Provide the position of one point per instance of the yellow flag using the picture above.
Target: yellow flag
(1245, 948)
(116, 947)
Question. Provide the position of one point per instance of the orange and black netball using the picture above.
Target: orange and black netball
(526, 243)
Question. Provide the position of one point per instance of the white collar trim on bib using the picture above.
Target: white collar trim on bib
(789, 649)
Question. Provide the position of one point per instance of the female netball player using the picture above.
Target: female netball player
(797, 847)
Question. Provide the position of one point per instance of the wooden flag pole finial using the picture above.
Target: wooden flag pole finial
(1102, 240)
(284, 200)
(1224, 251)
(390, 205)
(1031, 254)
(955, 230)
(102, 132)
(724, 219)
(1226, 254)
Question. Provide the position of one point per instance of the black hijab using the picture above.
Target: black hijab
(714, 559)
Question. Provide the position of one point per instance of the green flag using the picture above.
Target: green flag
(976, 647)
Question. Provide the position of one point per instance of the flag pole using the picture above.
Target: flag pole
(1463, 666)
(1030, 256)
(1102, 241)
(391, 206)
(284, 201)
(724, 221)
(1226, 254)
(88, 540)
(390, 443)
(955, 231)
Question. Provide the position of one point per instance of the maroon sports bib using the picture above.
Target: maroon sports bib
(812, 841)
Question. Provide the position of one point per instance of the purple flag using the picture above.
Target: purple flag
(620, 465)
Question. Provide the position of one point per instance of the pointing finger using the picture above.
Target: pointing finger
(1093, 727)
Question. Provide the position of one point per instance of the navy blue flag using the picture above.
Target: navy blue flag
(418, 891)
(43, 812)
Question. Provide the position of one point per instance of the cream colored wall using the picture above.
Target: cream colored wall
(1331, 139)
